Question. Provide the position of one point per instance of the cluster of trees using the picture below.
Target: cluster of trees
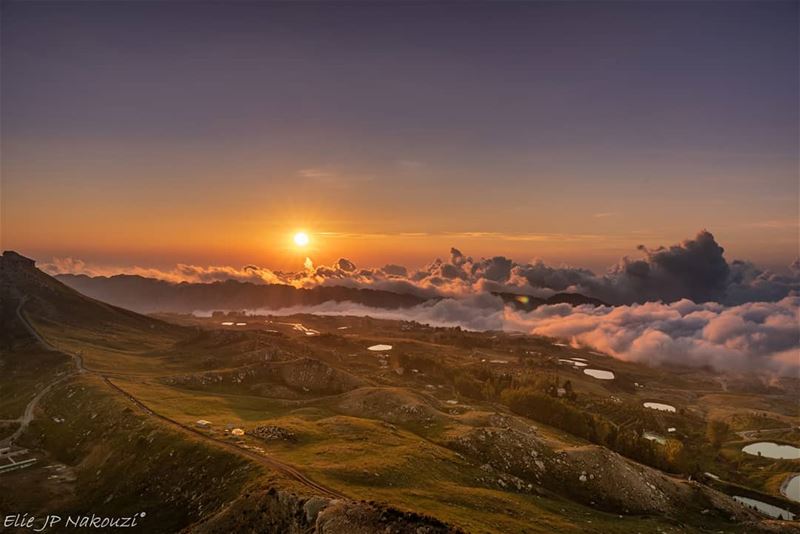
(220, 314)
(716, 432)
(560, 413)
(426, 364)
(543, 397)
(481, 383)
(550, 410)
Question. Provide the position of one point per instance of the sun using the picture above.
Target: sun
(301, 239)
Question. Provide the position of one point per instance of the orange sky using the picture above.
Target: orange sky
(221, 130)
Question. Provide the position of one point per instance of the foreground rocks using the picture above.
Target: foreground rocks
(282, 512)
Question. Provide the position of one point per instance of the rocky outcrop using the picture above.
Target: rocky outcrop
(282, 512)
(505, 451)
(272, 433)
(303, 374)
(393, 405)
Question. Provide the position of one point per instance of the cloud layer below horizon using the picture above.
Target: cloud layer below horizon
(682, 304)
(753, 336)
(695, 269)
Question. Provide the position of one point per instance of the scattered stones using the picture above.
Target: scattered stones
(269, 433)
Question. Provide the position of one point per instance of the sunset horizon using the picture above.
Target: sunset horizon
(574, 148)
(347, 267)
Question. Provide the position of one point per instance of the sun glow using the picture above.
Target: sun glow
(301, 239)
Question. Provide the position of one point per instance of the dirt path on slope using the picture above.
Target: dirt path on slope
(27, 417)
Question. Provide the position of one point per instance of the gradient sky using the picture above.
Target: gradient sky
(163, 132)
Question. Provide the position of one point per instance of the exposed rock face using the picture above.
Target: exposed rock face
(505, 450)
(317, 376)
(17, 271)
(517, 460)
(305, 374)
(368, 518)
(14, 260)
(392, 405)
(604, 479)
(281, 512)
(272, 433)
(593, 474)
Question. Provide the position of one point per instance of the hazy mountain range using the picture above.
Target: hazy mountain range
(148, 295)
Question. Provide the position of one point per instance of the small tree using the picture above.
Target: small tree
(468, 386)
(716, 431)
(569, 391)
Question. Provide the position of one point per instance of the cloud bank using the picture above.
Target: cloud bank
(695, 269)
(761, 336)
(683, 304)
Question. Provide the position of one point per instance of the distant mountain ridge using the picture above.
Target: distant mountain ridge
(149, 295)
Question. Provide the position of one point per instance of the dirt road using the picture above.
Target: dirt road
(757, 434)
(27, 415)
(277, 465)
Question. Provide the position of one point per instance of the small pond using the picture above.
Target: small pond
(791, 488)
(599, 374)
(777, 451)
(660, 406)
(765, 508)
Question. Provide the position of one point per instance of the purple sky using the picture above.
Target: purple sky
(164, 132)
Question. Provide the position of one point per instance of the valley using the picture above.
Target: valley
(348, 423)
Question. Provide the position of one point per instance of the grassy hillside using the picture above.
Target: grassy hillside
(125, 464)
(485, 432)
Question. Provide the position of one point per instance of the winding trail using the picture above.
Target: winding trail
(759, 433)
(277, 465)
(27, 417)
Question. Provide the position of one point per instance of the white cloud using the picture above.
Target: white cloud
(755, 336)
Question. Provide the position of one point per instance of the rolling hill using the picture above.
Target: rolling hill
(358, 425)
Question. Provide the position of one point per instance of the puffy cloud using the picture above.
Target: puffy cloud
(180, 273)
(70, 265)
(539, 275)
(748, 336)
(748, 283)
(754, 336)
(684, 303)
(346, 265)
(695, 269)
(457, 258)
(395, 270)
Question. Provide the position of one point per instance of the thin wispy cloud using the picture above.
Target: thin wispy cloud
(325, 176)
(776, 224)
(316, 173)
